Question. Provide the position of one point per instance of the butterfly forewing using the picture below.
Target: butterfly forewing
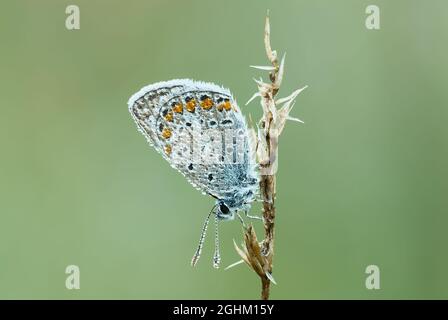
(200, 131)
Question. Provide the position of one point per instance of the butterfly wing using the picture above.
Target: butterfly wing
(199, 129)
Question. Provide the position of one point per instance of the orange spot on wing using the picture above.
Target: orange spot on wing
(169, 117)
(191, 105)
(207, 104)
(178, 108)
(166, 133)
(168, 149)
(227, 106)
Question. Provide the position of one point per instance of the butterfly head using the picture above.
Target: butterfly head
(226, 209)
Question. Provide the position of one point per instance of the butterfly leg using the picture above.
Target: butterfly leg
(253, 217)
(241, 220)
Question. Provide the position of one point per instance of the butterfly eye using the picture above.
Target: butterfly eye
(224, 209)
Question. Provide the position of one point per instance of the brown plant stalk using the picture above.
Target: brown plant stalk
(259, 255)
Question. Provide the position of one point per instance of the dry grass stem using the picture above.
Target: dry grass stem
(259, 255)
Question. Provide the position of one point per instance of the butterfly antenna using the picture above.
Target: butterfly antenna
(197, 254)
(216, 255)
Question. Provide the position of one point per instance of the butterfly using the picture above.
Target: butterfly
(200, 130)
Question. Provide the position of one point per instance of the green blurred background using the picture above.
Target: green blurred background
(363, 181)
